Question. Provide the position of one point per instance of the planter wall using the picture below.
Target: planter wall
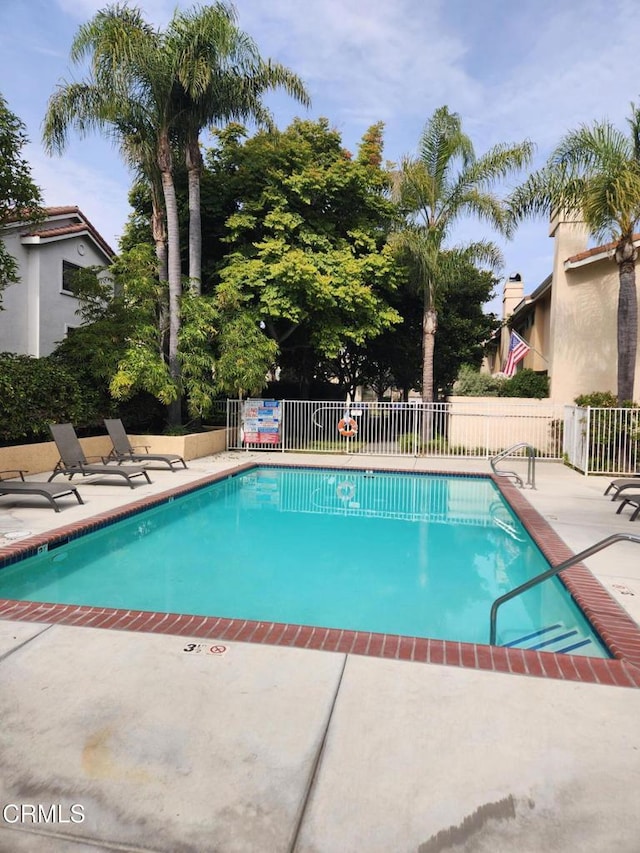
(42, 457)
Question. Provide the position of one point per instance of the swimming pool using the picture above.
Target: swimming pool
(408, 554)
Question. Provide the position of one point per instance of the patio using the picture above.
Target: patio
(244, 747)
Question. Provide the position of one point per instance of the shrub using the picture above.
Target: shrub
(526, 383)
(598, 400)
(409, 442)
(613, 440)
(36, 392)
(472, 383)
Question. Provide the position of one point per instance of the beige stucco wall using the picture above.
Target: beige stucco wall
(42, 457)
(493, 424)
(538, 336)
(583, 329)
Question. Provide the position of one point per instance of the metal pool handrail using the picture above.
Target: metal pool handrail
(554, 570)
(531, 464)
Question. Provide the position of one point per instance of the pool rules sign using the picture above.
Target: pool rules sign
(261, 422)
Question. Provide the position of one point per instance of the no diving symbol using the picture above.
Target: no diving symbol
(202, 648)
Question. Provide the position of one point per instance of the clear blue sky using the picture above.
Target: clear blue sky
(533, 69)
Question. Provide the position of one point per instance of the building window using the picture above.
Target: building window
(68, 277)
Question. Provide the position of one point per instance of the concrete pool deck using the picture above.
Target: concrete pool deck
(251, 747)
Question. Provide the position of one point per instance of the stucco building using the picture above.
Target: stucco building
(570, 319)
(40, 309)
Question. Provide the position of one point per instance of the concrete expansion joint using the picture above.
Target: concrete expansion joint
(315, 768)
(86, 841)
(17, 648)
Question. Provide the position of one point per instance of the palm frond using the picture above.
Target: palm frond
(442, 144)
(601, 146)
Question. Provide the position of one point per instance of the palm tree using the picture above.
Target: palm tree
(132, 93)
(435, 190)
(154, 91)
(221, 78)
(594, 175)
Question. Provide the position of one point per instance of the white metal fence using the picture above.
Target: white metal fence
(602, 441)
(460, 428)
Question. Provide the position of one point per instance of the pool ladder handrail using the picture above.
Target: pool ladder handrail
(554, 570)
(531, 464)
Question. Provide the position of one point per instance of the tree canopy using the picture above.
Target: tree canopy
(306, 238)
(20, 198)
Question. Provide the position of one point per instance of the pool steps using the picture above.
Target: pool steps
(556, 638)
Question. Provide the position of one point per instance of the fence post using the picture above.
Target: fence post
(487, 431)
(587, 442)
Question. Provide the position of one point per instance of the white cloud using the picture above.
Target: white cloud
(155, 11)
(534, 70)
(100, 194)
(373, 59)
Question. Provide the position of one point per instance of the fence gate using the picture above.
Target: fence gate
(576, 437)
(602, 440)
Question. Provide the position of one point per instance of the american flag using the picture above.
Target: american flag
(517, 351)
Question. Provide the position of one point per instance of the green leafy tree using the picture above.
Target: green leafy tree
(120, 344)
(119, 347)
(594, 175)
(19, 196)
(446, 182)
(393, 359)
(307, 240)
(245, 355)
(463, 326)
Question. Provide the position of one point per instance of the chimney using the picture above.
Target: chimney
(512, 294)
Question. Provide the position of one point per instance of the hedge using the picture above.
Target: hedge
(35, 392)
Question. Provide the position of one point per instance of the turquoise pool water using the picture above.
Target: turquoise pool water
(394, 553)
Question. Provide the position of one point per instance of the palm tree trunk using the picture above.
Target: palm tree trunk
(159, 231)
(429, 328)
(194, 171)
(173, 267)
(627, 321)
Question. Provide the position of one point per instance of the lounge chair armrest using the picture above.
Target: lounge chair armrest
(12, 473)
(144, 447)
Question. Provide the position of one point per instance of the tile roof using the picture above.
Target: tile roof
(597, 250)
(47, 230)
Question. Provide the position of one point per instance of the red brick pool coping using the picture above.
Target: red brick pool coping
(618, 631)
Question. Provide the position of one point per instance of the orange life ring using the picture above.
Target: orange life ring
(347, 427)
